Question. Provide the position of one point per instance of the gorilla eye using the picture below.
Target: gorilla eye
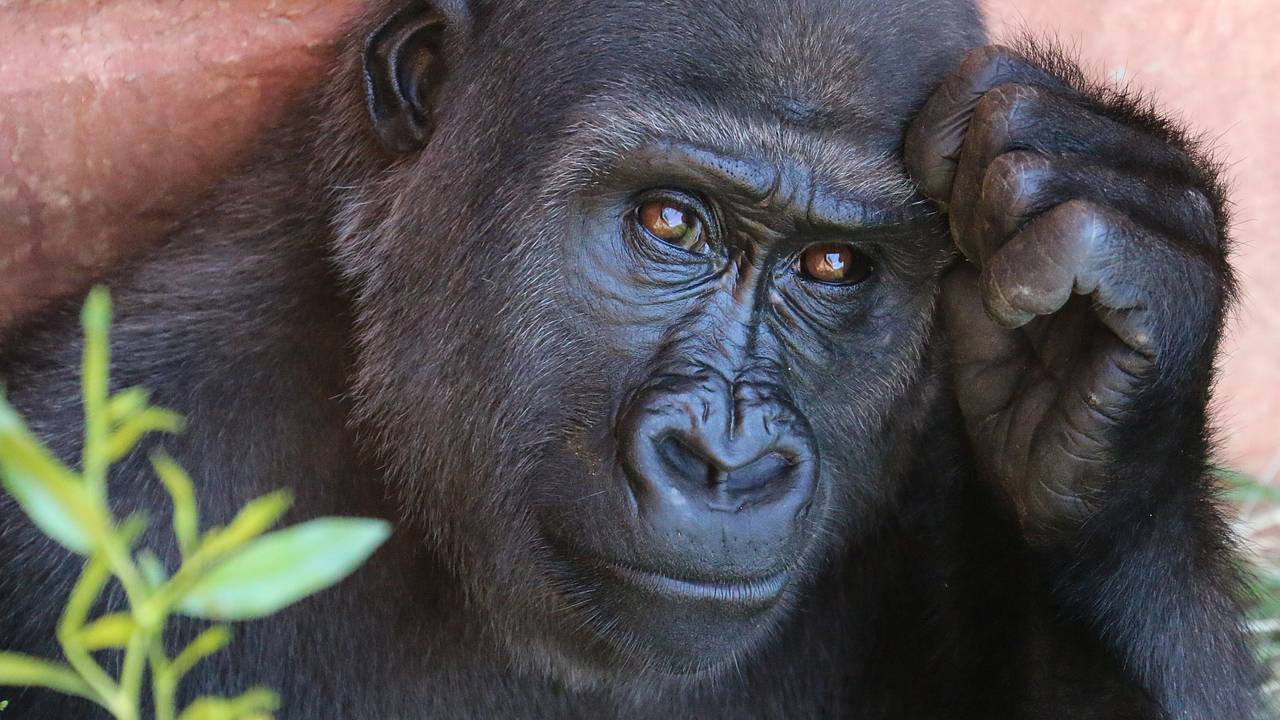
(672, 223)
(834, 263)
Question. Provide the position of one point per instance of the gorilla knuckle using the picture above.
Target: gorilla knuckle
(923, 156)
(988, 61)
(1015, 179)
(1005, 108)
(1090, 225)
(1009, 99)
(1199, 219)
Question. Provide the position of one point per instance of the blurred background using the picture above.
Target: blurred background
(115, 115)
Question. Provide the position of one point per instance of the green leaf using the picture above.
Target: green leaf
(1254, 492)
(254, 704)
(50, 494)
(150, 420)
(132, 528)
(280, 568)
(1243, 488)
(108, 631)
(50, 510)
(26, 671)
(95, 318)
(1268, 605)
(125, 403)
(88, 587)
(152, 569)
(186, 518)
(252, 520)
(206, 643)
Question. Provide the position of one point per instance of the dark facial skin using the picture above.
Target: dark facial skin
(708, 491)
(719, 360)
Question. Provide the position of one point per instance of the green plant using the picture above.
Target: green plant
(230, 573)
(1260, 505)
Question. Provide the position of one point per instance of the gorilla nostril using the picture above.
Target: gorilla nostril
(762, 480)
(684, 464)
(757, 474)
(690, 457)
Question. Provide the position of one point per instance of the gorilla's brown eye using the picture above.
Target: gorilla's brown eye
(671, 223)
(835, 263)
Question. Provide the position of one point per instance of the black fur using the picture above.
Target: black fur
(386, 313)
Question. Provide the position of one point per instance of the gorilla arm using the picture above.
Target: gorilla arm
(1095, 238)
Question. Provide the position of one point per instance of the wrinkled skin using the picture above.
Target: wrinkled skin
(714, 359)
(1095, 249)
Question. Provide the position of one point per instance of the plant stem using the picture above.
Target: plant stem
(95, 388)
(83, 663)
(123, 567)
(86, 590)
(131, 674)
(163, 684)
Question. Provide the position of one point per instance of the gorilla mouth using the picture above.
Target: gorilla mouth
(680, 625)
(753, 593)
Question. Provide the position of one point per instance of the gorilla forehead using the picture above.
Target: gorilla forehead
(829, 63)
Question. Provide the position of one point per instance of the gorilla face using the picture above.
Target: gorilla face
(754, 318)
(637, 320)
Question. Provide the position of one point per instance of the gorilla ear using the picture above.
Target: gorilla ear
(403, 67)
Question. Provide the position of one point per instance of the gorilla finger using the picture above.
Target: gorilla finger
(1017, 186)
(1025, 118)
(982, 352)
(1037, 271)
(1159, 299)
(1002, 120)
(933, 141)
(1142, 286)
(1020, 185)
(975, 338)
(1103, 382)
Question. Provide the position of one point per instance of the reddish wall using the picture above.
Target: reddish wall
(115, 114)
(1216, 63)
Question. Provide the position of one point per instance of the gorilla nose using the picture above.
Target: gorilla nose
(714, 475)
(723, 472)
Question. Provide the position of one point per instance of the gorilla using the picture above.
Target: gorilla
(715, 359)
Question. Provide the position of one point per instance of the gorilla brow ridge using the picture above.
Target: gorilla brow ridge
(611, 126)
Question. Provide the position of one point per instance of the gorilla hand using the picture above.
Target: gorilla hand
(1096, 234)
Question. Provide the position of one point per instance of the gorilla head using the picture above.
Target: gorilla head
(641, 289)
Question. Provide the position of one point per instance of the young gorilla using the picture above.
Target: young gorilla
(633, 318)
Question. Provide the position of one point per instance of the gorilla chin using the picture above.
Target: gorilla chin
(694, 574)
(676, 626)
